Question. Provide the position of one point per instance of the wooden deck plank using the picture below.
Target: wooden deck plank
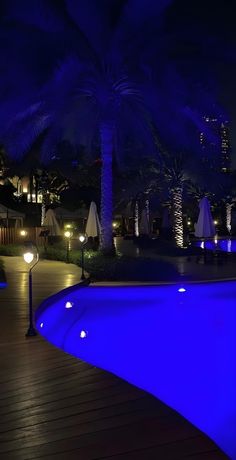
(53, 406)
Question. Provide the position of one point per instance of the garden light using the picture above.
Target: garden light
(83, 238)
(31, 255)
(28, 257)
(68, 234)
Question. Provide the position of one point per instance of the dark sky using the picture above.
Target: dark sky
(206, 31)
(202, 36)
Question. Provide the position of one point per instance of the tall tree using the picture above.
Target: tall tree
(90, 91)
(93, 73)
(174, 171)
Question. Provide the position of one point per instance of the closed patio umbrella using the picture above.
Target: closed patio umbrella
(204, 227)
(51, 223)
(93, 227)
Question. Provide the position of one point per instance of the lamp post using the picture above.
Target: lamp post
(29, 255)
(68, 234)
(83, 240)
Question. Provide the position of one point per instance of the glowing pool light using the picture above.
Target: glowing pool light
(181, 289)
(186, 344)
(41, 325)
(83, 334)
(69, 304)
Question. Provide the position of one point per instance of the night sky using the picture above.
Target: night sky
(206, 40)
(201, 43)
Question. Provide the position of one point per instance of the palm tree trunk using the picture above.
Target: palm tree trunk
(43, 207)
(31, 186)
(106, 133)
(136, 218)
(228, 216)
(147, 210)
(177, 198)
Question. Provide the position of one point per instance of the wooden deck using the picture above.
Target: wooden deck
(53, 406)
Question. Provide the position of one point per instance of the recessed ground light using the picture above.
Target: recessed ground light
(83, 334)
(69, 304)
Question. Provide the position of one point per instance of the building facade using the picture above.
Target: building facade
(215, 142)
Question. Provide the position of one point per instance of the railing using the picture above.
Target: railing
(12, 235)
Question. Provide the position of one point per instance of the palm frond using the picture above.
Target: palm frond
(18, 144)
(43, 14)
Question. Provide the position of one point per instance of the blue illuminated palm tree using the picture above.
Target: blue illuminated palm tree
(87, 95)
(85, 72)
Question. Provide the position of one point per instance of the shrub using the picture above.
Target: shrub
(106, 268)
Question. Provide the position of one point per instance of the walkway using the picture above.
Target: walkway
(53, 406)
(186, 268)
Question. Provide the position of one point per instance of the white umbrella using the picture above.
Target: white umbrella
(93, 227)
(51, 223)
(204, 227)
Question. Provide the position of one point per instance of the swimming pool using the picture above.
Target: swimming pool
(226, 245)
(178, 345)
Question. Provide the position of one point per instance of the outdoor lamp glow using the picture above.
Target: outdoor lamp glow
(215, 222)
(28, 257)
(82, 238)
(68, 234)
(23, 232)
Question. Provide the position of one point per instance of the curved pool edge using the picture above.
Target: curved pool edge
(70, 290)
(53, 298)
(87, 282)
(162, 283)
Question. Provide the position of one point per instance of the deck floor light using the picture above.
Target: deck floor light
(31, 257)
(83, 238)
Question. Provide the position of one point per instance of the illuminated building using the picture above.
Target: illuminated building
(215, 142)
(225, 147)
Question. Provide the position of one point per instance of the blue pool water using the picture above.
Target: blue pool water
(179, 346)
(227, 245)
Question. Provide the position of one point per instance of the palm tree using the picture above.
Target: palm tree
(87, 77)
(210, 181)
(88, 95)
(175, 175)
(137, 184)
(225, 194)
(48, 183)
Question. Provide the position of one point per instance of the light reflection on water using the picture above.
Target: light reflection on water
(227, 245)
(179, 346)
